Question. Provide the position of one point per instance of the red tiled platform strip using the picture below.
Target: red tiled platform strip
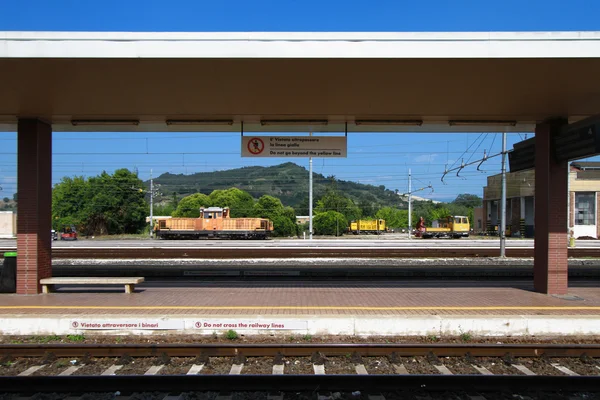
(291, 300)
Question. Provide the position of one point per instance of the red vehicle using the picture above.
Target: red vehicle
(68, 233)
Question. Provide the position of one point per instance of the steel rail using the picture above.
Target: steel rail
(300, 350)
(257, 253)
(128, 384)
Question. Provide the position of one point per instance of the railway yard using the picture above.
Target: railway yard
(292, 319)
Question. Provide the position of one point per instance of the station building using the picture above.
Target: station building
(302, 219)
(8, 224)
(582, 202)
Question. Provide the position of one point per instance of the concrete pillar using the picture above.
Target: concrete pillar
(34, 166)
(515, 215)
(550, 272)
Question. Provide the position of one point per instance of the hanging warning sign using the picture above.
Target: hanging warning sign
(294, 146)
(255, 146)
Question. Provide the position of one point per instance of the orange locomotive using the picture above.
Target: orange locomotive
(213, 222)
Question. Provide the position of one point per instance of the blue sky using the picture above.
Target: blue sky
(306, 15)
(380, 159)
(373, 158)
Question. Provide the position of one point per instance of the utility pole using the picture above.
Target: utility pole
(409, 204)
(409, 193)
(503, 200)
(151, 203)
(310, 196)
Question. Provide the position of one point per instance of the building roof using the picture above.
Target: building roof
(299, 44)
(214, 209)
(80, 81)
(586, 165)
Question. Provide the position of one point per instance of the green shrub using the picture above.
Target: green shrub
(76, 338)
(231, 334)
(466, 336)
(330, 223)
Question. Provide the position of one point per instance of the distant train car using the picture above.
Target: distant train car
(371, 226)
(68, 233)
(452, 226)
(214, 222)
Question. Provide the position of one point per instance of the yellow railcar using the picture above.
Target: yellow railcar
(370, 226)
(452, 226)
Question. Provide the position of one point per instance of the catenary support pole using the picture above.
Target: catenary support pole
(310, 197)
(151, 204)
(503, 200)
(409, 204)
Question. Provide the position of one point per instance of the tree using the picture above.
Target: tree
(303, 207)
(190, 205)
(117, 204)
(70, 199)
(239, 202)
(104, 204)
(163, 210)
(333, 200)
(439, 213)
(6, 199)
(394, 218)
(283, 226)
(330, 223)
(268, 207)
(367, 208)
(468, 200)
(284, 218)
(423, 209)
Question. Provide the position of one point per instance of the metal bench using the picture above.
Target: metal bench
(128, 282)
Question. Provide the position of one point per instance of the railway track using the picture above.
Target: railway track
(258, 253)
(375, 371)
(300, 350)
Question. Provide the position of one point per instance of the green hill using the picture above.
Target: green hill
(288, 182)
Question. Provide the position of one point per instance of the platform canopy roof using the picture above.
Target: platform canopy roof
(103, 81)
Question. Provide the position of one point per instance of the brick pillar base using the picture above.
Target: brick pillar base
(34, 247)
(550, 271)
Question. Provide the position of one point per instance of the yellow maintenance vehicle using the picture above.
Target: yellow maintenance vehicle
(375, 226)
(452, 226)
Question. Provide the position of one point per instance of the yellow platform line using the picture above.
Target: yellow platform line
(300, 308)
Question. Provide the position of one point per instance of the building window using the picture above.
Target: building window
(585, 208)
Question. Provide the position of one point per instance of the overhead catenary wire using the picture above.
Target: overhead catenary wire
(463, 165)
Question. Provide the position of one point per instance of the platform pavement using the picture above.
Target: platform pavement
(290, 309)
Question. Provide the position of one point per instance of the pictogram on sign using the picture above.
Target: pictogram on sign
(256, 145)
